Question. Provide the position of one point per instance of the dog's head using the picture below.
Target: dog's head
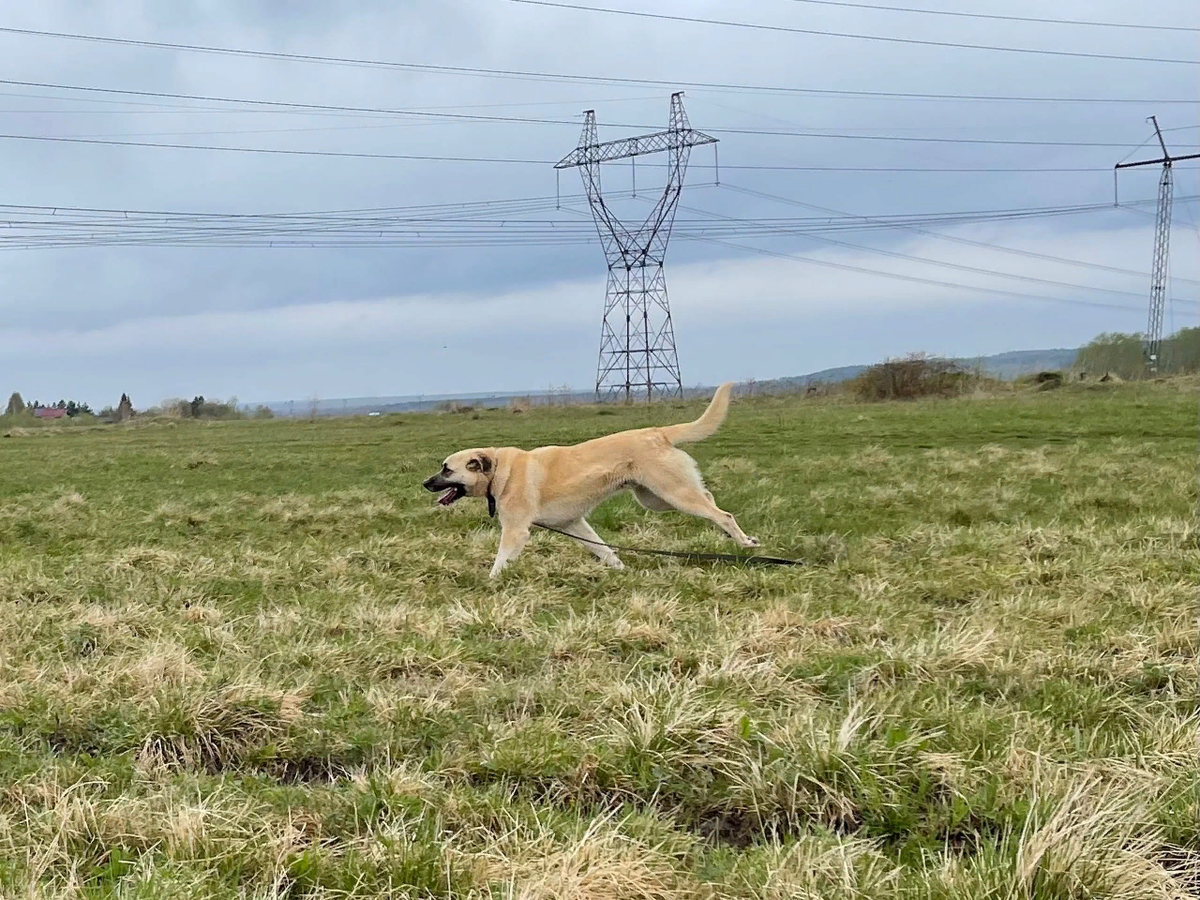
(467, 473)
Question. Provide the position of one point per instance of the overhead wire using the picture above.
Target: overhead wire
(957, 239)
(279, 151)
(1039, 20)
(156, 104)
(484, 72)
(425, 112)
(890, 39)
(299, 107)
(531, 120)
(418, 157)
(925, 261)
(486, 223)
(915, 279)
(315, 108)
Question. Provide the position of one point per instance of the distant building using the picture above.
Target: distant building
(48, 412)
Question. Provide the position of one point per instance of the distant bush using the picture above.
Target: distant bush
(263, 412)
(913, 376)
(1047, 380)
(198, 408)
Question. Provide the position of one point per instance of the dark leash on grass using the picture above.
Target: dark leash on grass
(685, 554)
(678, 554)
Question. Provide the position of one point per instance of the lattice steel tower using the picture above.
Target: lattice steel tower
(637, 341)
(1152, 345)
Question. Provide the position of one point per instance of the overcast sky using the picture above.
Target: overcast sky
(282, 323)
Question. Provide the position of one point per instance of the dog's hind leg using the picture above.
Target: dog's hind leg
(680, 487)
(696, 502)
(650, 500)
(586, 535)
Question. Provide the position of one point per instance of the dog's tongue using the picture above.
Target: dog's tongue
(449, 497)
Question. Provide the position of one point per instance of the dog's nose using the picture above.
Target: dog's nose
(429, 483)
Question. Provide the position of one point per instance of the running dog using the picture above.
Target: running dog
(559, 486)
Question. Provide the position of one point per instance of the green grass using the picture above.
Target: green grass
(254, 659)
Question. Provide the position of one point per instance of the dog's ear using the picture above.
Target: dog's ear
(480, 464)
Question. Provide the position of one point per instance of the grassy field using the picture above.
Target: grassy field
(254, 659)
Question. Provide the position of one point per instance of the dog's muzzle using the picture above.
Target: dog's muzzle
(452, 491)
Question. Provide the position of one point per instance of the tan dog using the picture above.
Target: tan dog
(559, 486)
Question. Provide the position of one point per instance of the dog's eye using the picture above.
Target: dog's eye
(473, 466)
(445, 470)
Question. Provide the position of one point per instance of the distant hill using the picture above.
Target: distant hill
(1006, 366)
(1016, 363)
(825, 376)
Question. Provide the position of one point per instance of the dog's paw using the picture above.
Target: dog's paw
(615, 563)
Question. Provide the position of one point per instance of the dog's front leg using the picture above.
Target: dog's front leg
(512, 541)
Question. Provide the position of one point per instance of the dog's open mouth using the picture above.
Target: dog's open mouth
(452, 494)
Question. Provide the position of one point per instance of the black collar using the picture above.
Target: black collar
(491, 503)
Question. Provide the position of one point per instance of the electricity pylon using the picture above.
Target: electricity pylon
(637, 340)
(1152, 345)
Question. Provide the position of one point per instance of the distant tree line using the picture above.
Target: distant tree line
(17, 406)
(199, 407)
(1122, 354)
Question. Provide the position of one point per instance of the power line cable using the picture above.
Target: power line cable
(455, 206)
(786, 29)
(71, 139)
(914, 279)
(763, 167)
(995, 17)
(323, 108)
(259, 105)
(274, 150)
(544, 201)
(1142, 212)
(978, 270)
(462, 224)
(481, 72)
(296, 106)
(965, 241)
(468, 117)
(918, 169)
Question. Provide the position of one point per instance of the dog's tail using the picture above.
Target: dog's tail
(707, 424)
